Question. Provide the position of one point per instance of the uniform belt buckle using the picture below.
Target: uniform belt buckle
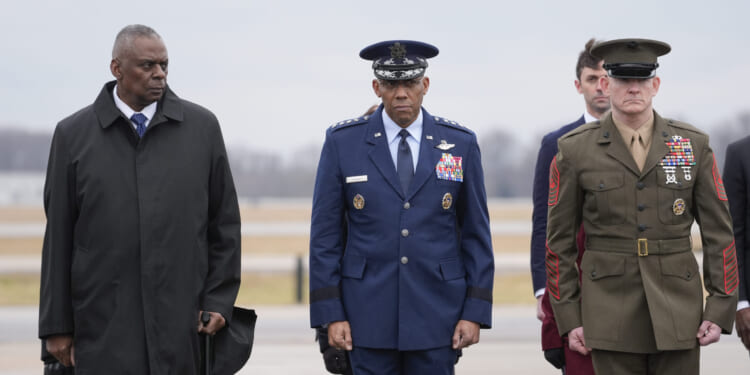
(642, 247)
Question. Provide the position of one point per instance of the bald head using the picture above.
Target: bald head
(126, 37)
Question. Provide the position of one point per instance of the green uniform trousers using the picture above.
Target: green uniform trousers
(668, 362)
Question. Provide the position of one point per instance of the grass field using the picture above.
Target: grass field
(260, 289)
(267, 212)
(23, 289)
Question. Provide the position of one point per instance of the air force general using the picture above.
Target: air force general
(401, 262)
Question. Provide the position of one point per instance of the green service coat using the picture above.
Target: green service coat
(627, 302)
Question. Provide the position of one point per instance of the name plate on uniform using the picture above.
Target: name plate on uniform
(355, 179)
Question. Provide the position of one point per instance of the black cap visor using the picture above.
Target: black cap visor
(631, 71)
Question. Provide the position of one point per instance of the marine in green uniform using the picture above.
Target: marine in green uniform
(637, 182)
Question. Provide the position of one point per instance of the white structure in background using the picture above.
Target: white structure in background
(21, 188)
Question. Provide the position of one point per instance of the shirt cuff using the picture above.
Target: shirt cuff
(742, 305)
(539, 293)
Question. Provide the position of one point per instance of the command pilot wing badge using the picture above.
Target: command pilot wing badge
(444, 146)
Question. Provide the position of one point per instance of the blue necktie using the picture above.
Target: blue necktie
(404, 163)
(140, 123)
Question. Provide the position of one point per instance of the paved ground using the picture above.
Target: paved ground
(284, 346)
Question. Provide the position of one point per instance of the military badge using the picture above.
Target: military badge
(449, 168)
(670, 172)
(444, 146)
(678, 207)
(680, 155)
(358, 202)
(398, 50)
(447, 201)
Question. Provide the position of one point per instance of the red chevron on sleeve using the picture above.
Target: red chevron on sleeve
(554, 183)
(553, 273)
(731, 280)
(718, 182)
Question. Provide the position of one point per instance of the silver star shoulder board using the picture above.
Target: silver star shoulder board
(346, 123)
(451, 124)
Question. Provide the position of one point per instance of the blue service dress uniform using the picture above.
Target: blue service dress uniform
(402, 268)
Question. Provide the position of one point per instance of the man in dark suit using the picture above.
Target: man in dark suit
(401, 262)
(143, 225)
(588, 72)
(737, 183)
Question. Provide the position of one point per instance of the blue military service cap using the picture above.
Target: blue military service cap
(398, 60)
(630, 58)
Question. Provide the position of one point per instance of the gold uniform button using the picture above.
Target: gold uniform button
(407, 206)
(404, 232)
(404, 260)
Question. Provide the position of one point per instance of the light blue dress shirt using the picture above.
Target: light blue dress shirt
(149, 111)
(415, 135)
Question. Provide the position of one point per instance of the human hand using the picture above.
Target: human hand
(216, 323)
(577, 342)
(340, 335)
(465, 334)
(708, 333)
(742, 324)
(539, 312)
(61, 347)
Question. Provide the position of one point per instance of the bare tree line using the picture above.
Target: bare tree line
(508, 162)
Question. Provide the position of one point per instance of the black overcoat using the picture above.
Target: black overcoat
(736, 176)
(141, 234)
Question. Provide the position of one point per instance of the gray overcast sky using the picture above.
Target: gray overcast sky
(278, 72)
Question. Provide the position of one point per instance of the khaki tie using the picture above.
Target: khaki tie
(638, 150)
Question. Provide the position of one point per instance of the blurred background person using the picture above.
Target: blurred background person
(589, 71)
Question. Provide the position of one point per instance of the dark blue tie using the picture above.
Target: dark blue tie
(140, 123)
(404, 163)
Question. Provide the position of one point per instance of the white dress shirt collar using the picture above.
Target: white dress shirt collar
(415, 135)
(147, 111)
(392, 129)
(587, 117)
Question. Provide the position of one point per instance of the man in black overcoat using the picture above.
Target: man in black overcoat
(737, 183)
(143, 225)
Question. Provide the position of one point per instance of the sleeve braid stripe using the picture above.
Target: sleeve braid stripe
(731, 279)
(553, 273)
(720, 191)
(554, 183)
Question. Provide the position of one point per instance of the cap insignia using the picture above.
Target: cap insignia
(398, 51)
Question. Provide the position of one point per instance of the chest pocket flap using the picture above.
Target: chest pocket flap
(679, 265)
(602, 181)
